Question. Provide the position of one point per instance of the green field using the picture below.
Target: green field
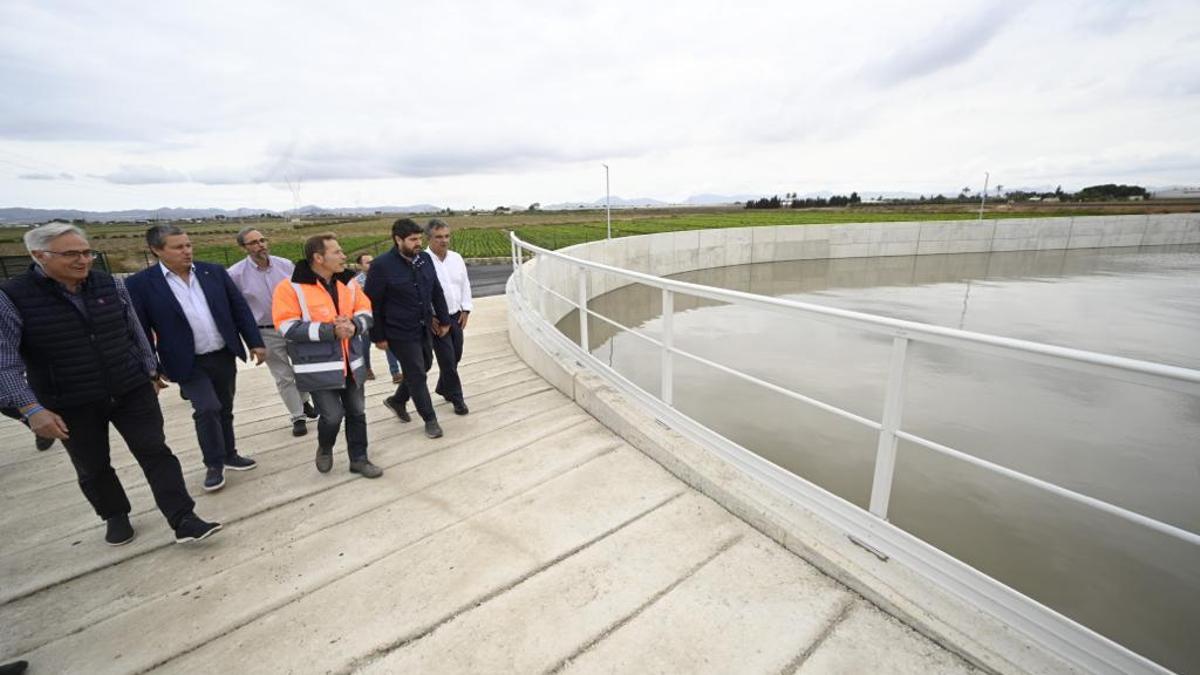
(485, 235)
(228, 254)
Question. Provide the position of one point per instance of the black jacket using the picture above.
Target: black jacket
(72, 358)
(404, 296)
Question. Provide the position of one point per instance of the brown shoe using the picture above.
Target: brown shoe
(397, 378)
(370, 374)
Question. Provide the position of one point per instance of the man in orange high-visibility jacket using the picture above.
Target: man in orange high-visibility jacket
(319, 312)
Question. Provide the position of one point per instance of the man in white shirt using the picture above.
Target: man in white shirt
(452, 275)
(256, 276)
(197, 321)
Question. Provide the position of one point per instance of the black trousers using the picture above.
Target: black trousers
(448, 350)
(138, 418)
(416, 358)
(210, 389)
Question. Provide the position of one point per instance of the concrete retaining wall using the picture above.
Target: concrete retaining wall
(931, 609)
(674, 252)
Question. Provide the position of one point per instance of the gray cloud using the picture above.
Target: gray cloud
(144, 174)
(1112, 16)
(46, 176)
(352, 159)
(947, 44)
(1123, 166)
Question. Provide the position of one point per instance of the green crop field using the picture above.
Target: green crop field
(485, 235)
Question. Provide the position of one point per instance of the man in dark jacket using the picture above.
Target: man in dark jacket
(409, 308)
(72, 332)
(198, 319)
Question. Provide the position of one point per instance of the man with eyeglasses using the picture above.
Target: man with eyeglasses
(256, 276)
(74, 360)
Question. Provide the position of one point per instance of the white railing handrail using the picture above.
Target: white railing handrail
(894, 327)
(1083, 645)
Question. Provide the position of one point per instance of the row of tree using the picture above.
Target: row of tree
(792, 201)
(1093, 193)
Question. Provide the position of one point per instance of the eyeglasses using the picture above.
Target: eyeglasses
(86, 254)
(255, 242)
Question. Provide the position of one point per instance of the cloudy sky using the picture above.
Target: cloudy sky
(116, 104)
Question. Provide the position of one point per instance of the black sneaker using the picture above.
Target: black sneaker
(120, 532)
(433, 429)
(398, 408)
(240, 463)
(299, 428)
(214, 479)
(191, 528)
(14, 668)
(43, 443)
(460, 406)
(309, 411)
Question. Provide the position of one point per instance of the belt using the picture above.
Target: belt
(267, 325)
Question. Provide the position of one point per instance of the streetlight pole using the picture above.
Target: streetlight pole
(983, 199)
(607, 206)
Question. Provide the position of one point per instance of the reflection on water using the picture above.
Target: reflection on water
(1128, 444)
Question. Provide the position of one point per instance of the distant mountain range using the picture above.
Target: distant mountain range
(24, 216)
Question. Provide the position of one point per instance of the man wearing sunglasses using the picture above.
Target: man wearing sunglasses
(256, 276)
(71, 330)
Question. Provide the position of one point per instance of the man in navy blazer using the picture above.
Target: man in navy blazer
(197, 320)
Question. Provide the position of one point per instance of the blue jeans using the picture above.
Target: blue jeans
(333, 405)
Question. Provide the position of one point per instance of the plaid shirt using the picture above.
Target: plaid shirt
(14, 389)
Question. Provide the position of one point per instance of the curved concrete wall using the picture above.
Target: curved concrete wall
(674, 252)
(984, 639)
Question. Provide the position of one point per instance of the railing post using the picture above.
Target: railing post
(583, 311)
(885, 455)
(520, 272)
(668, 341)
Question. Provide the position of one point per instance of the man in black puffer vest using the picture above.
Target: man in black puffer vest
(71, 331)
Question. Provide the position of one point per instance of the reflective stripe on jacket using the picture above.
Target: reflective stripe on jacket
(304, 314)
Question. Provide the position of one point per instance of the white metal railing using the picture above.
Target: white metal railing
(902, 333)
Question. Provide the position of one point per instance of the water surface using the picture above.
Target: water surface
(1129, 444)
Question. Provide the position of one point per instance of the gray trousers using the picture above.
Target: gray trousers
(281, 369)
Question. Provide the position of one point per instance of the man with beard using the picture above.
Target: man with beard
(409, 309)
(256, 276)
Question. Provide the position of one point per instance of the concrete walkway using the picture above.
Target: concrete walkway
(528, 539)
